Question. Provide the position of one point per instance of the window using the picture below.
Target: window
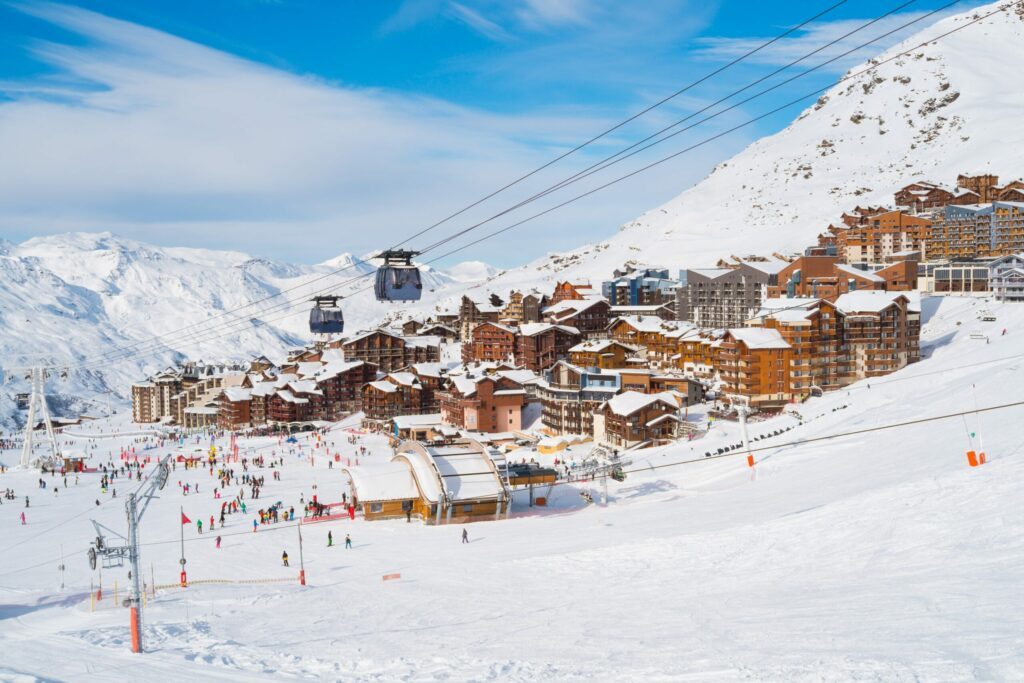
(467, 508)
(376, 507)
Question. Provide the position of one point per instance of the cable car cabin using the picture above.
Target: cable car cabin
(398, 279)
(326, 316)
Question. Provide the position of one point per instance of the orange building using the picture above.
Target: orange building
(490, 403)
(754, 363)
(490, 342)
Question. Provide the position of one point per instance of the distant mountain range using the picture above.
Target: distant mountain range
(950, 107)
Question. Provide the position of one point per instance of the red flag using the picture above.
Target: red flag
(184, 519)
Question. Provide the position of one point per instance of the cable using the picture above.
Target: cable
(872, 68)
(531, 173)
(592, 191)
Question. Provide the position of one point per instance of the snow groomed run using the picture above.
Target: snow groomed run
(879, 556)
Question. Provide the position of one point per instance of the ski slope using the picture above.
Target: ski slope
(876, 557)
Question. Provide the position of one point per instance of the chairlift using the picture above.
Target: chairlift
(398, 279)
(326, 316)
(618, 474)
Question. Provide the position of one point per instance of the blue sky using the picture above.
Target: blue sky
(300, 129)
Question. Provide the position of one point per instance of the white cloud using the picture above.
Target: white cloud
(816, 35)
(478, 22)
(162, 139)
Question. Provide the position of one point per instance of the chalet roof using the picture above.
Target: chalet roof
(306, 386)
(599, 345)
(770, 265)
(404, 378)
(368, 333)
(532, 329)
(869, 301)
(504, 328)
(335, 368)
(630, 402)
(288, 396)
(483, 303)
(866, 274)
(407, 421)
(237, 394)
(518, 376)
(386, 387)
(308, 368)
(759, 338)
(642, 323)
(428, 369)
(465, 385)
(571, 307)
(712, 273)
(422, 341)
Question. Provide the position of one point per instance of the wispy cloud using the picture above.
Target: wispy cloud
(791, 48)
(479, 23)
(163, 139)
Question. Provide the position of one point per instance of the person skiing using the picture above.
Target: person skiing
(348, 541)
(199, 525)
(23, 517)
(254, 525)
(218, 543)
(284, 558)
(330, 539)
(465, 536)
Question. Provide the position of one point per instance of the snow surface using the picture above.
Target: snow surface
(880, 556)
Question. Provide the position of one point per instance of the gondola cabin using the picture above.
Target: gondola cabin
(326, 316)
(398, 279)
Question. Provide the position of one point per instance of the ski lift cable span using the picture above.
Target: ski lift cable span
(715, 72)
(816, 92)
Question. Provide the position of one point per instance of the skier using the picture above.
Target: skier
(330, 539)
(284, 558)
(218, 543)
(199, 525)
(348, 541)
(26, 501)
(23, 518)
(254, 525)
(465, 536)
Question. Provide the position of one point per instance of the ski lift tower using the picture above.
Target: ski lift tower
(113, 556)
(37, 375)
(742, 405)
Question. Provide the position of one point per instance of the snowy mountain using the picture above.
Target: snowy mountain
(945, 109)
(94, 302)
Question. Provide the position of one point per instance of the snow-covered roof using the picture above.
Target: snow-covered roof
(388, 481)
(712, 272)
(759, 338)
(518, 376)
(306, 386)
(466, 472)
(770, 266)
(866, 274)
(642, 323)
(381, 385)
(629, 402)
(237, 394)
(599, 345)
(868, 301)
(407, 421)
(335, 368)
(570, 307)
(406, 379)
(428, 369)
(288, 396)
(465, 385)
(531, 329)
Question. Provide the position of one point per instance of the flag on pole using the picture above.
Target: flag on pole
(184, 519)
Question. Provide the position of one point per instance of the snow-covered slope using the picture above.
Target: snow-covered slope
(875, 557)
(946, 109)
(950, 107)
